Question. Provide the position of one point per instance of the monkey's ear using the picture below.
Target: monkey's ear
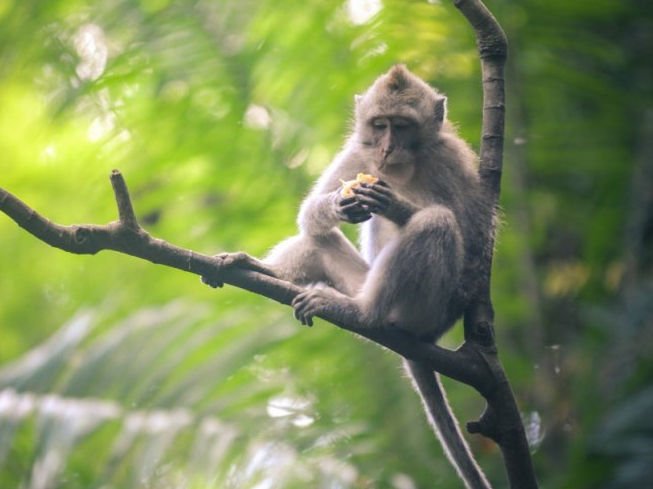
(357, 98)
(440, 109)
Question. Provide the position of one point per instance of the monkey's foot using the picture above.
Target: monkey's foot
(239, 259)
(318, 300)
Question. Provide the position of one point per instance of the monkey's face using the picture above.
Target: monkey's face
(396, 118)
(392, 142)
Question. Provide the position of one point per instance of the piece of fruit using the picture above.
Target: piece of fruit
(349, 186)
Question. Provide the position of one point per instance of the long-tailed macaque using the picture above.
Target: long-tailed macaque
(423, 228)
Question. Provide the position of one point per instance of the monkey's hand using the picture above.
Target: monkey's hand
(379, 198)
(349, 209)
(238, 259)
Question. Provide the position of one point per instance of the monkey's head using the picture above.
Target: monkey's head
(395, 118)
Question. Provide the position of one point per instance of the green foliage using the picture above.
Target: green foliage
(220, 114)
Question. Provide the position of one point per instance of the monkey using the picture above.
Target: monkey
(423, 228)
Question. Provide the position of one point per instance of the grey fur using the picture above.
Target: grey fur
(422, 238)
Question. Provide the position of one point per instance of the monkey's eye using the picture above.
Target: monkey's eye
(379, 124)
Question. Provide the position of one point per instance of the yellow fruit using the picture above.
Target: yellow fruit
(349, 186)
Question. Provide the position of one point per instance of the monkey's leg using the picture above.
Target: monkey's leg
(320, 300)
(327, 258)
(415, 276)
(411, 282)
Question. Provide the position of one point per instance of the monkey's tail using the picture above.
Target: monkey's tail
(446, 428)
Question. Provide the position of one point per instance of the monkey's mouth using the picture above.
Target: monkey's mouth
(390, 164)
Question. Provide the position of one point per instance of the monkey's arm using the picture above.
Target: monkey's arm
(380, 199)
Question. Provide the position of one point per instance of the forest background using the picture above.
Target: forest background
(115, 372)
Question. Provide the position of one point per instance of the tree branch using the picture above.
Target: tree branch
(493, 51)
(501, 420)
(123, 201)
(126, 236)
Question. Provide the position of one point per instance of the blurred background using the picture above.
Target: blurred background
(117, 373)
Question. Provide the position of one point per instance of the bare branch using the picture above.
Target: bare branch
(123, 200)
(493, 51)
(126, 236)
(501, 420)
